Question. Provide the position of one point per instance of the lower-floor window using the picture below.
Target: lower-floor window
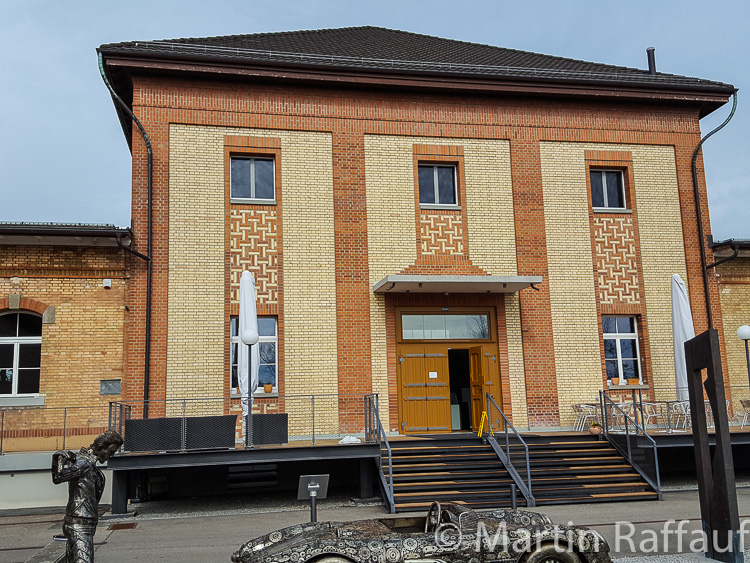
(621, 352)
(20, 353)
(267, 347)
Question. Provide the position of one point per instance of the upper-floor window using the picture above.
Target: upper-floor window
(437, 185)
(621, 353)
(267, 347)
(20, 353)
(607, 189)
(252, 180)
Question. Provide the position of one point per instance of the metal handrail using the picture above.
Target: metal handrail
(304, 408)
(388, 486)
(606, 401)
(523, 486)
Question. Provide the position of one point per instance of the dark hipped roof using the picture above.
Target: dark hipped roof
(380, 49)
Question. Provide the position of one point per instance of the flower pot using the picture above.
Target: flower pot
(595, 430)
(634, 381)
(267, 388)
(615, 380)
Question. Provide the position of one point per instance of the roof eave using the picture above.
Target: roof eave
(730, 247)
(65, 235)
(708, 98)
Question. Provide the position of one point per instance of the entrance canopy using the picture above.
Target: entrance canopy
(454, 284)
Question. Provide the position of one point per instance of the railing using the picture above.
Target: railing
(25, 429)
(305, 420)
(383, 439)
(515, 449)
(671, 405)
(623, 432)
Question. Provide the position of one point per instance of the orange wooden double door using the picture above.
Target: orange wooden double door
(442, 386)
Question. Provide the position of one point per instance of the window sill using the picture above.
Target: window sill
(262, 395)
(438, 206)
(23, 401)
(236, 201)
(613, 210)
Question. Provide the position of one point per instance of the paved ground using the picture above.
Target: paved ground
(199, 531)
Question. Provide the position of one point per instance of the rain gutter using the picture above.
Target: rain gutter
(148, 255)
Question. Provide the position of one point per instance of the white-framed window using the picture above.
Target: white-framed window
(252, 180)
(20, 354)
(621, 350)
(268, 343)
(607, 189)
(437, 185)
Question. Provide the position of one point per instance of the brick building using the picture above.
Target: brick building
(63, 323)
(733, 277)
(348, 168)
(426, 219)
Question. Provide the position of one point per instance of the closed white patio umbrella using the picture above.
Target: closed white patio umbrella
(682, 331)
(247, 353)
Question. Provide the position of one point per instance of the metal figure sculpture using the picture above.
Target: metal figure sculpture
(85, 487)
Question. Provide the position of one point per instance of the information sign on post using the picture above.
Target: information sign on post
(312, 487)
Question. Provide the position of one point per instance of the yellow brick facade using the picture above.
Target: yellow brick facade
(734, 287)
(392, 221)
(516, 372)
(662, 253)
(82, 342)
(571, 262)
(196, 361)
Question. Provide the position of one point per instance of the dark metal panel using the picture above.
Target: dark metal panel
(232, 457)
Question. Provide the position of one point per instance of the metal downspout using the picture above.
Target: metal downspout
(696, 195)
(149, 261)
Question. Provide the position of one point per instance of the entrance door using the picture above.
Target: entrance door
(424, 398)
(477, 385)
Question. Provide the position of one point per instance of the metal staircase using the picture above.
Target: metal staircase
(565, 469)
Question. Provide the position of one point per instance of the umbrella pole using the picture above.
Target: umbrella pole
(249, 423)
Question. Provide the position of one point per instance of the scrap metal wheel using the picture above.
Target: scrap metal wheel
(551, 554)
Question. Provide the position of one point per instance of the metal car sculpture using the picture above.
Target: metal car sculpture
(448, 533)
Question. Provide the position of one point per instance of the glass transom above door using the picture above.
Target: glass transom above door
(444, 327)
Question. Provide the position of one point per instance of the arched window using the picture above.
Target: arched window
(20, 353)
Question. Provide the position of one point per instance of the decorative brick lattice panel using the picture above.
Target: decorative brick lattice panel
(254, 247)
(441, 233)
(616, 260)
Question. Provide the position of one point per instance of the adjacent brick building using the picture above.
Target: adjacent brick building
(63, 324)
(426, 219)
(734, 285)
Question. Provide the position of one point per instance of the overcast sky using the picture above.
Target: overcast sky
(63, 156)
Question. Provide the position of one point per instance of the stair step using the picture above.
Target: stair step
(606, 497)
(570, 452)
(579, 478)
(448, 496)
(398, 468)
(423, 506)
(448, 447)
(584, 488)
(573, 460)
(491, 456)
(429, 485)
(447, 475)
